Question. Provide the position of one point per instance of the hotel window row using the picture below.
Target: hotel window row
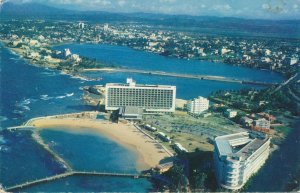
(152, 98)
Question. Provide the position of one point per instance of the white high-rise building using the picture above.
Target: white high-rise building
(198, 105)
(67, 52)
(105, 27)
(238, 156)
(152, 98)
(81, 25)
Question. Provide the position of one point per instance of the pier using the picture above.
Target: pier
(23, 127)
(177, 75)
(74, 173)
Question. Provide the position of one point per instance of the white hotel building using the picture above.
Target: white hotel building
(198, 105)
(152, 98)
(238, 156)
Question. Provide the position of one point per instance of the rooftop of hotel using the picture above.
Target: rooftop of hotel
(239, 145)
(132, 83)
(140, 85)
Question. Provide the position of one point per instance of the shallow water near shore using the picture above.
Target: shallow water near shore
(91, 152)
(85, 152)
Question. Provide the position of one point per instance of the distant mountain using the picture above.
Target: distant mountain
(30, 9)
(201, 24)
(35, 10)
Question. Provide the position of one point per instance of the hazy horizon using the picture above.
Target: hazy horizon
(255, 9)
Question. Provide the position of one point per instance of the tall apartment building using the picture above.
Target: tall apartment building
(198, 105)
(238, 156)
(152, 98)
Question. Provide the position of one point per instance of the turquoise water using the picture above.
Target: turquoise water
(90, 151)
(28, 92)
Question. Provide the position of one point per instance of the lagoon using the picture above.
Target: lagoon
(123, 56)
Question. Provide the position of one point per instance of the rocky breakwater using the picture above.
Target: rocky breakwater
(94, 95)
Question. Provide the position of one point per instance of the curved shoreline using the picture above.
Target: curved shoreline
(126, 135)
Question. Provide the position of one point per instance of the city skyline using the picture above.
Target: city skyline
(256, 9)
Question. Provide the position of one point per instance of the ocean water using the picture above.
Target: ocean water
(280, 166)
(28, 91)
(22, 159)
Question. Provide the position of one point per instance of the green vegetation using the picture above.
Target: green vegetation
(177, 178)
(285, 130)
(85, 63)
(199, 172)
(256, 101)
(114, 116)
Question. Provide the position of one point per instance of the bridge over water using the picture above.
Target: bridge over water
(74, 173)
(179, 75)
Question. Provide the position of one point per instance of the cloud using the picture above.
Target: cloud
(121, 3)
(102, 2)
(167, 1)
(225, 7)
(266, 6)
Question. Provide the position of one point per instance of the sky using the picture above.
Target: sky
(262, 9)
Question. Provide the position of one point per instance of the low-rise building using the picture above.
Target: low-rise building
(131, 113)
(238, 156)
(163, 137)
(230, 113)
(34, 55)
(262, 123)
(76, 58)
(198, 105)
(246, 121)
(161, 168)
(150, 128)
(293, 61)
(179, 148)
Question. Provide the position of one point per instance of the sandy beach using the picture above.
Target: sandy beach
(149, 152)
